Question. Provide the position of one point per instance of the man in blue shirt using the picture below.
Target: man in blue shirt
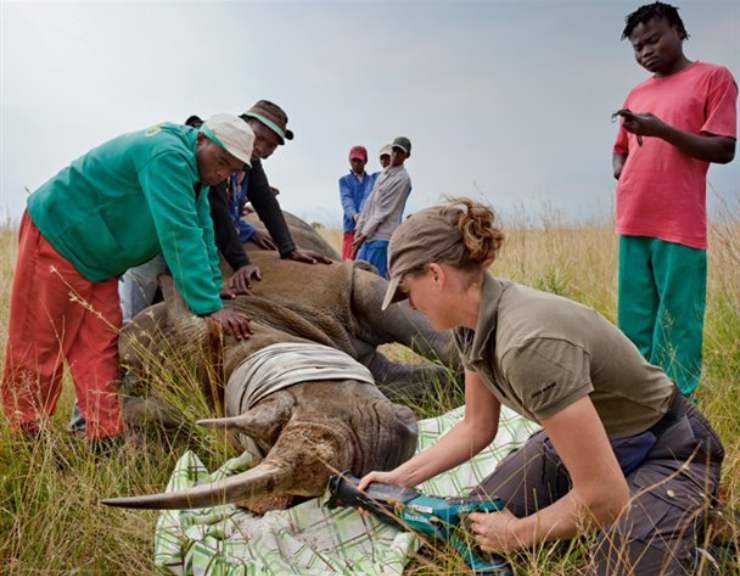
(353, 189)
(236, 199)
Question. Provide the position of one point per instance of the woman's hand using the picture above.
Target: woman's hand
(392, 477)
(493, 530)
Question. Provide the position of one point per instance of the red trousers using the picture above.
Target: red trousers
(56, 315)
(347, 238)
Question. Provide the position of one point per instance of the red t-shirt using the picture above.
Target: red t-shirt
(661, 192)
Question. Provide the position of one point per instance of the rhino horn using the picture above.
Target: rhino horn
(265, 478)
(264, 421)
(243, 423)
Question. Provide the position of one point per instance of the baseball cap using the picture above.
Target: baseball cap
(194, 121)
(387, 149)
(358, 152)
(430, 235)
(232, 134)
(403, 143)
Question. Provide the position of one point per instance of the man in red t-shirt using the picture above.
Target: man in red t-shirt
(673, 125)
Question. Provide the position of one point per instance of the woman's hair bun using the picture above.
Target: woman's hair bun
(480, 230)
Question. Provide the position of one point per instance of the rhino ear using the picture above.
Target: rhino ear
(176, 306)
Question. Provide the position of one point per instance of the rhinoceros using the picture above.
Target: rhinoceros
(313, 428)
(363, 324)
(372, 329)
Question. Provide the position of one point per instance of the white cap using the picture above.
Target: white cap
(231, 133)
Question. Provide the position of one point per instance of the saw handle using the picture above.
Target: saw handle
(380, 499)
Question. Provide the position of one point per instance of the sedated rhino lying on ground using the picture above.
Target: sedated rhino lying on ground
(373, 328)
(310, 429)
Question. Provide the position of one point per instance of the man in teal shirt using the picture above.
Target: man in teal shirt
(115, 207)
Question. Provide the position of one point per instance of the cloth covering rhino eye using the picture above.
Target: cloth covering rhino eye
(282, 365)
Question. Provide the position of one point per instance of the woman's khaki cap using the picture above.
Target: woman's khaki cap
(431, 235)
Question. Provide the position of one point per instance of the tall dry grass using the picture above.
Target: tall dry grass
(51, 522)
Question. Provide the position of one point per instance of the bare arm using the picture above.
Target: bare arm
(707, 147)
(468, 437)
(599, 493)
(704, 146)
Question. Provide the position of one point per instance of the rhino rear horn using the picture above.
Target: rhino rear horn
(266, 478)
(263, 421)
(243, 423)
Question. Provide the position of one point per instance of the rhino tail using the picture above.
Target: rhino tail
(264, 479)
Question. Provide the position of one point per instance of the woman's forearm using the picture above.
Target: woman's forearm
(457, 446)
(599, 490)
(566, 518)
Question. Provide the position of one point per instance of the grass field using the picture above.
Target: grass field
(51, 523)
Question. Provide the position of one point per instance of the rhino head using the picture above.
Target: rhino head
(307, 431)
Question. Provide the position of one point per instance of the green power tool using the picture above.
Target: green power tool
(438, 518)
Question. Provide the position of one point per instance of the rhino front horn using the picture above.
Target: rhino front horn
(265, 478)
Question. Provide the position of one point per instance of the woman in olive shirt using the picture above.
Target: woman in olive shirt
(620, 451)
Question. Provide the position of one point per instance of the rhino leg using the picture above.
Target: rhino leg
(399, 381)
(150, 412)
(399, 323)
(303, 235)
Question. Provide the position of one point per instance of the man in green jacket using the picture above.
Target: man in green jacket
(115, 207)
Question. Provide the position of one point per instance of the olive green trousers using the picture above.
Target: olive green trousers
(661, 301)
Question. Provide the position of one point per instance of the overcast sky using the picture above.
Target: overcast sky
(506, 100)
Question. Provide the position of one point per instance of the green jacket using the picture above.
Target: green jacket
(125, 201)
